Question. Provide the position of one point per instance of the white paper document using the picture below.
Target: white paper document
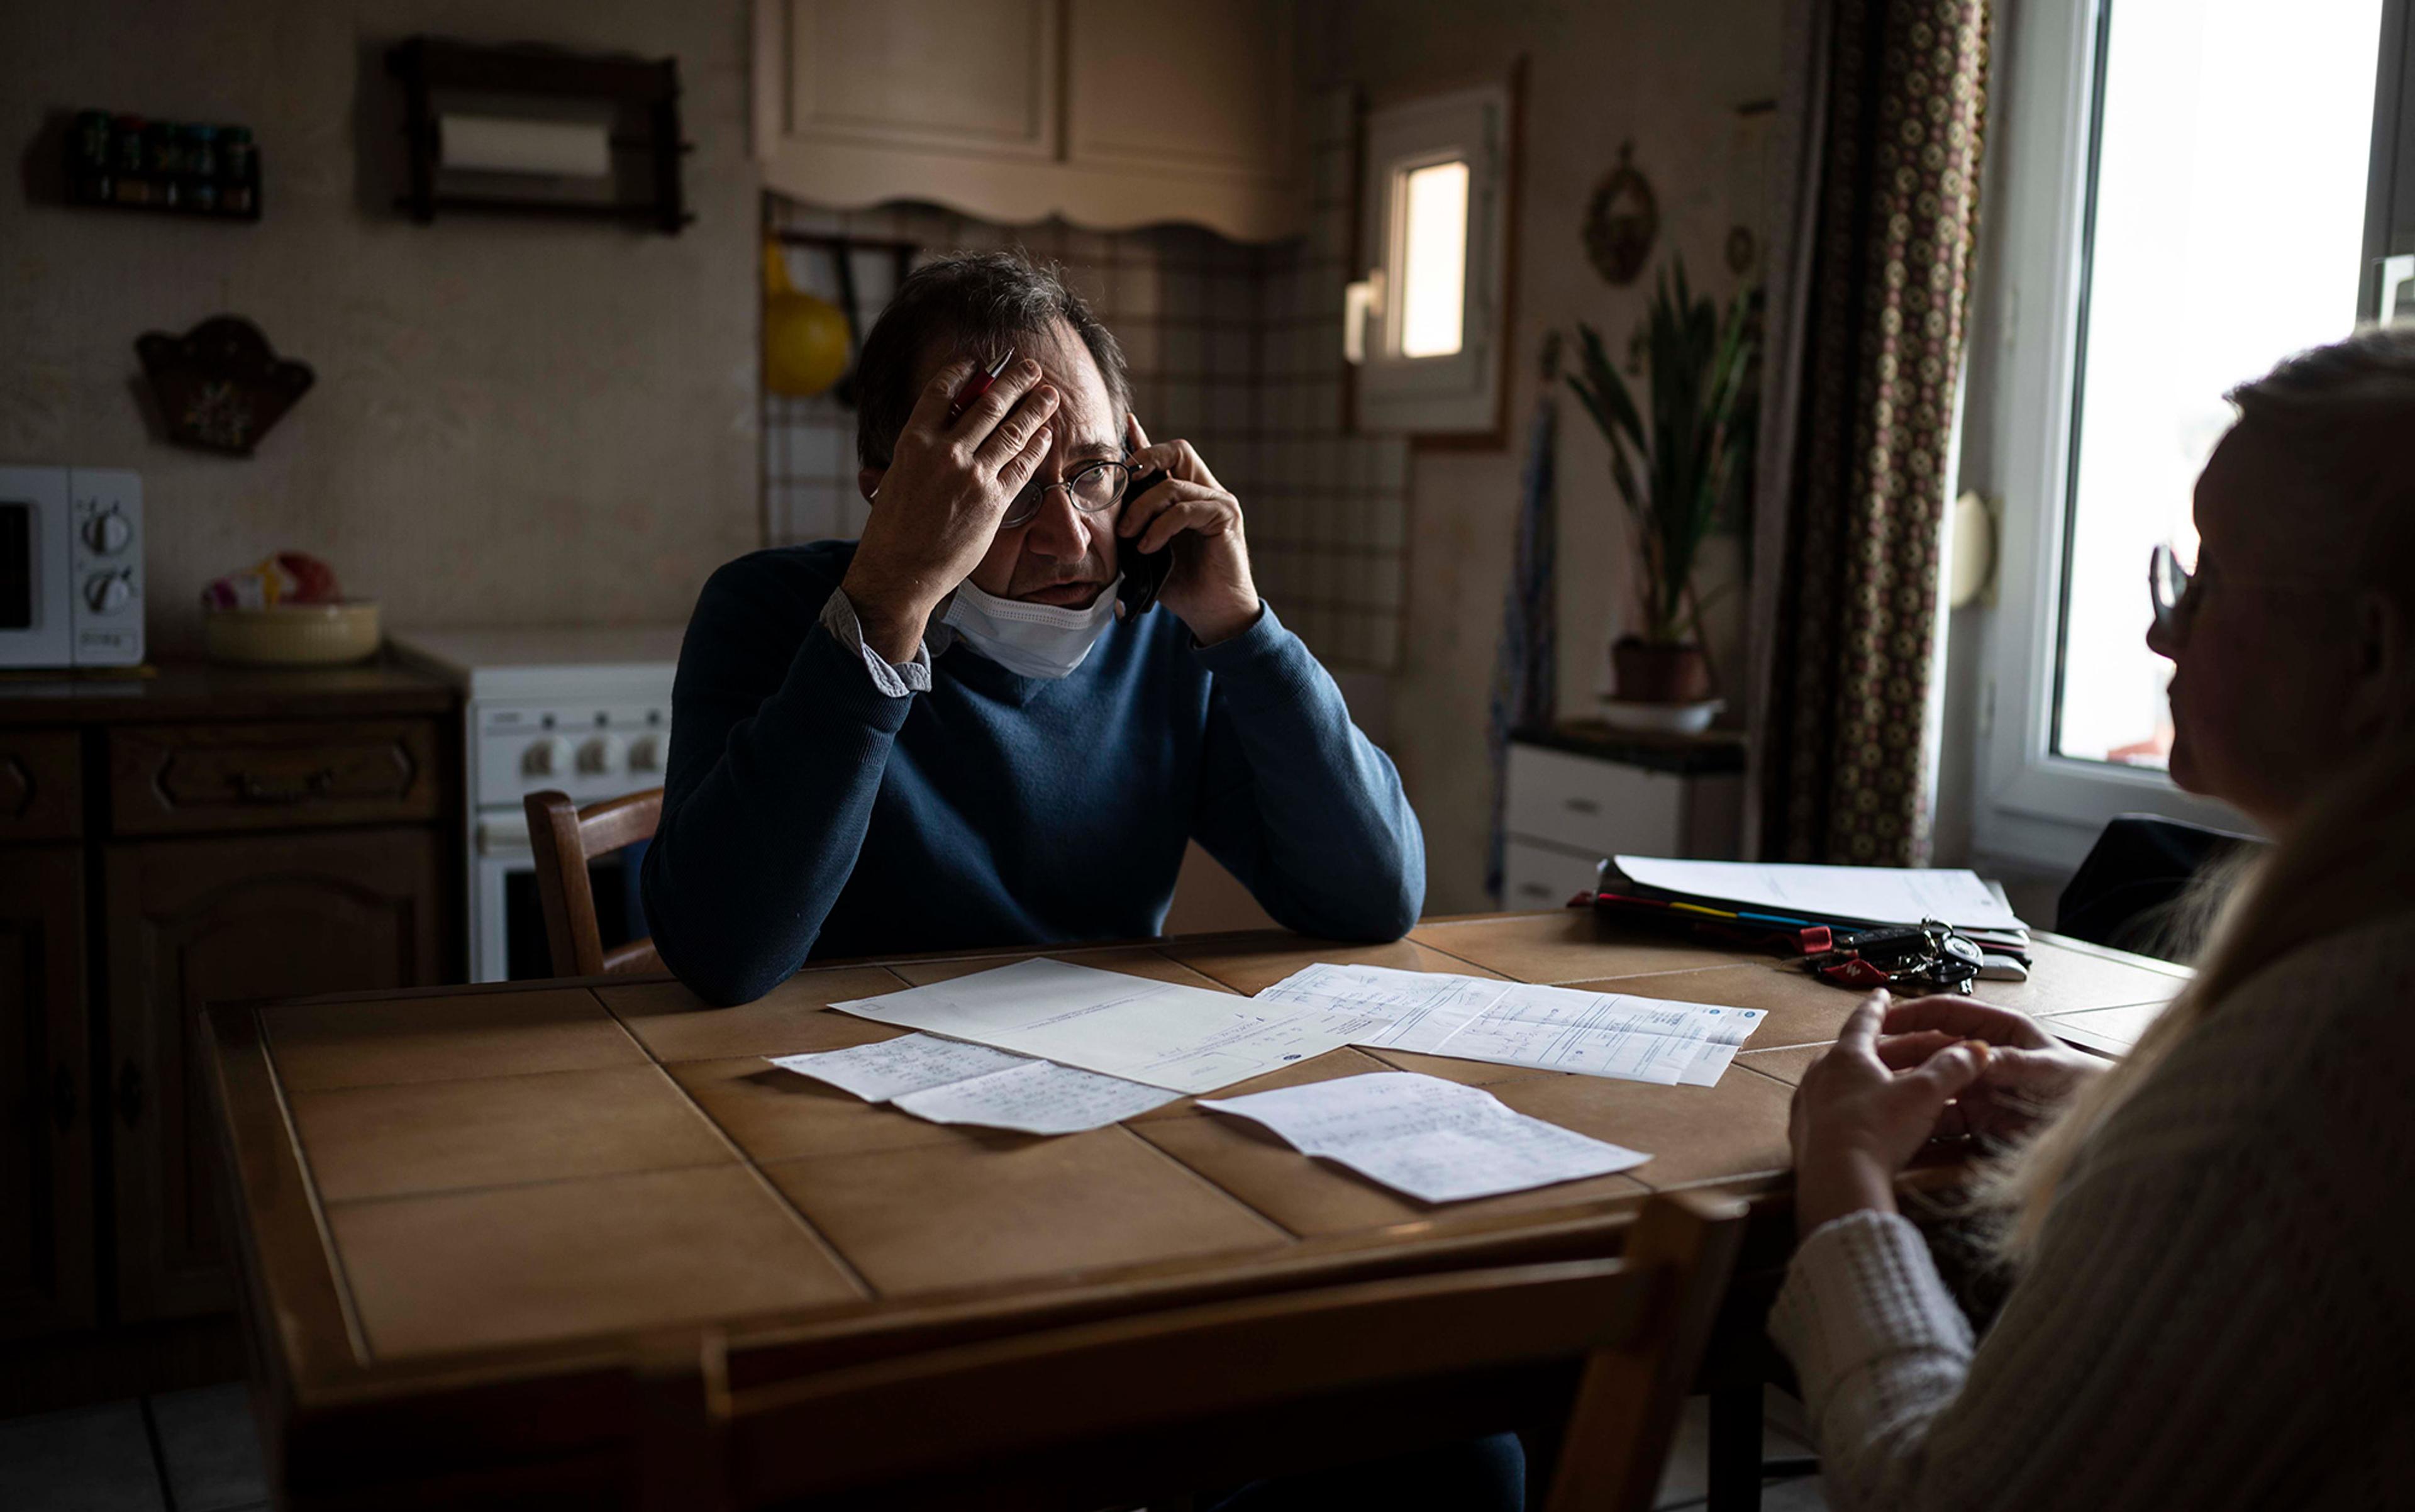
(1038, 1097)
(1550, 1029)
(1435, 1140)
(1877, 894)
(1184, 1039)
(949, 1082)
(893, 1068)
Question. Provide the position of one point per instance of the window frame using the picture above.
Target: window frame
(2033, 806)
(1459, 394)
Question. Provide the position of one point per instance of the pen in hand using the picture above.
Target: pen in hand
(977, 386)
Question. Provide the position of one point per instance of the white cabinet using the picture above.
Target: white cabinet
(1110, 113)
(1592, 793)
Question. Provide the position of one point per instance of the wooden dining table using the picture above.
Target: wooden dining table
(461, 1213)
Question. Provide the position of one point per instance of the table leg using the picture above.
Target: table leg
(1736, 1448)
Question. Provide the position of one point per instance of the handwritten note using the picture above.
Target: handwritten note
(1163, 1033)
(1433, 1140)
(1512, 1023)
(950, 1082)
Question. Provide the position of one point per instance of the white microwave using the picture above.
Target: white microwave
(70, 567)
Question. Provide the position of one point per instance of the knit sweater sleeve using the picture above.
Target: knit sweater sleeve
(779, 737)
(2216, 1269)
(1295, 801)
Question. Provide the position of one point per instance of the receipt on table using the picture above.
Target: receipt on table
(1549, 1028)
(893, 1068)
(1037, 1097)
(950, 1082)
(1431, 1139)
(1183, 1039)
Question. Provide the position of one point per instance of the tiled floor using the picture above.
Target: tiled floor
(196, 1451)
(183, 1451)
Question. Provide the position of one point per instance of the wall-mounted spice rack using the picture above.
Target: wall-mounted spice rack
(178, 167)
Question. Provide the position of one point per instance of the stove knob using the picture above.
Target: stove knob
(108, 592)
(107, 534)
(599, 754)
(549, 757)
(646, 753)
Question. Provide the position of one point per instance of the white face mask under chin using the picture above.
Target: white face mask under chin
(1034, 639)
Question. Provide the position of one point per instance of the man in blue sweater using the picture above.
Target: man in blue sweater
(944, 736)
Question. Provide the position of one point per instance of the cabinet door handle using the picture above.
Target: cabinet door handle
(1584, 805)
(129, 1093)
(259, 789)
(62, 1098)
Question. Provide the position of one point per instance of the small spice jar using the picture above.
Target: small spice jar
(126, 156)
(201, 167)
(238, 170)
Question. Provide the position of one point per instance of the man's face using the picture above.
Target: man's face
(1060, 556)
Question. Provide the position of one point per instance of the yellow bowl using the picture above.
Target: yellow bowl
(293, 635)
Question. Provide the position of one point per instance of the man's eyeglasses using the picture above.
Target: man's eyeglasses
(1092, 486)
(2167, 586)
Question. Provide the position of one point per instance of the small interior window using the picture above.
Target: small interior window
(1432, 258)
(1424, 323)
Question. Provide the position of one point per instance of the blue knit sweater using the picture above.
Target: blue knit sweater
(807, 815)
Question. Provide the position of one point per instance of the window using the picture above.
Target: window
(1434, 259)
(2190, 190)
(1425, 324)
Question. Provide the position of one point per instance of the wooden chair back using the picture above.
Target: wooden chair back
(565, 838)
(1150, 1409)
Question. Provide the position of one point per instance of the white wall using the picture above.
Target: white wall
(1669, 76)
(513, 421)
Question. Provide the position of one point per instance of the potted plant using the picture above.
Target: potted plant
(1677, 473)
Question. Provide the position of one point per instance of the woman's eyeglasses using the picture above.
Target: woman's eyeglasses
(1092, 486)
(2167, 586)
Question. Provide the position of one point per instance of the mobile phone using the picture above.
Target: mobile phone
(1145, 571)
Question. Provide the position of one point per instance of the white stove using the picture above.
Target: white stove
(586, 711)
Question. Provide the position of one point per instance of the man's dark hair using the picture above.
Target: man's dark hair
(969, 302)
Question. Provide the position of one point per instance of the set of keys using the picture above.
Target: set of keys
(1929, 956)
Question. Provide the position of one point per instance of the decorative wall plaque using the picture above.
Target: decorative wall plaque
(219, 387)
(1621, 222)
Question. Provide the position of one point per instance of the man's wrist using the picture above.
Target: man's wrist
(892, 622)
(1224, 623)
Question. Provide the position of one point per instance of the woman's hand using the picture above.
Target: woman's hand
(1193, 516)
(1857, 1122)
(2028, 1072)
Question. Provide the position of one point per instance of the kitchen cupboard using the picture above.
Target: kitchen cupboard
(206, 835)
(1109, 114)
(46, 1230)
(192, 922)
(1581, 792)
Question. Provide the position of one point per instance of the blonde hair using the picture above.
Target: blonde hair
(2339, 414)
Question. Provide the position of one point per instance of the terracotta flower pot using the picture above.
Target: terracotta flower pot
(1645, 672)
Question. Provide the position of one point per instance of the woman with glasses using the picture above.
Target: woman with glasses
(2212, 1301)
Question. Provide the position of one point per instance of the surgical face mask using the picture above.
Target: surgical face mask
(1035, 640)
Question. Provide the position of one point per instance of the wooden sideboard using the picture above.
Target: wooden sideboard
(202, 835)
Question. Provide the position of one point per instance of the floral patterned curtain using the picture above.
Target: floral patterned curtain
(1854, 501)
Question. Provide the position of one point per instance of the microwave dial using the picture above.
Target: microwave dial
(107, 533)
(106, 592)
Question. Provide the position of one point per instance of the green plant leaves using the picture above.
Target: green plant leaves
(1693, 450)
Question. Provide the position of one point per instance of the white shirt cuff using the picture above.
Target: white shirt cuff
(895, 680)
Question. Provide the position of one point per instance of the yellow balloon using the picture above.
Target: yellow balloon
(804, 338)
